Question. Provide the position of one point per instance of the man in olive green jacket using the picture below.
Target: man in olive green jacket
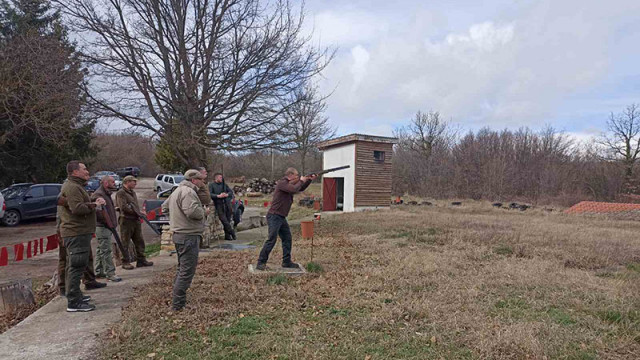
(129, 222)
(77, 224)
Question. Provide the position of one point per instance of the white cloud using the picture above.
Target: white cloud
(511, 69)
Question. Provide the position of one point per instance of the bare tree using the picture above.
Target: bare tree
(622, 142)
(426, 131)
(307, 124)
(212, 74)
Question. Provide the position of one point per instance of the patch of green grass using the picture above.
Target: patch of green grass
(314, 267)
(503, 250)
(338, 312)
(151, 249)
(398, 234)
(278, 279)
(560, 317)
(634, 267)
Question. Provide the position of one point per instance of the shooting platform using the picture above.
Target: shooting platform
(271, 270)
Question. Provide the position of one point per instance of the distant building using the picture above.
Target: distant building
(367, 183)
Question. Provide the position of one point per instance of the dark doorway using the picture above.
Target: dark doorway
(340, 194)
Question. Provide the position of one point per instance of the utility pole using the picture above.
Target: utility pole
(273, 162)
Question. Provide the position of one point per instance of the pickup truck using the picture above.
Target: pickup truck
(154, 211)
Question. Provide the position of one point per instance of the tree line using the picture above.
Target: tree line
(433, 159)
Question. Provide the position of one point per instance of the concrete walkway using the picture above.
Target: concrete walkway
(52, 333)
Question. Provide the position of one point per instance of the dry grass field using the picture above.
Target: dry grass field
(469, 282)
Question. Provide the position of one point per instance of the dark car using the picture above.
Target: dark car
(28, 201)
(92, 184)
(131, 170)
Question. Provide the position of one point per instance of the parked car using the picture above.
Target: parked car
(115, 177)
(3, 206)
(131, 170)
(28, 201)
(92, 184)
(166, 181)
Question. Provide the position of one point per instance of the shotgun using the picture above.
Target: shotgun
(113, 230)
(141, 216)
(329, 170)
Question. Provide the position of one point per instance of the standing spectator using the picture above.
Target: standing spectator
(77, 224)
(186, 222)
(290, 184)
(104, 256)
(129, 222)
(88, 276)
(222, 195)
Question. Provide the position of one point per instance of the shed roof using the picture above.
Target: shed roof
(356, 137)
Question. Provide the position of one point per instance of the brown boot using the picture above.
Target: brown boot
(127, 266)
(142, 263)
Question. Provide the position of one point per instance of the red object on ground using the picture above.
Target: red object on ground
(41, 245)
(307, 229)
(601, 207)
(52, 242)
(35, 247)
(266, 203)
(329, 201)
(246, 202)
(18, 251)
(4, 256)
(29, 253)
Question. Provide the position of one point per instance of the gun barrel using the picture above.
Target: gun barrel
(331, 170)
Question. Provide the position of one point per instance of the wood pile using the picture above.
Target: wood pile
(255, 188)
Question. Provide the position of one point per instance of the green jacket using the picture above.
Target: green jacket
(78, 217)
(124, 197)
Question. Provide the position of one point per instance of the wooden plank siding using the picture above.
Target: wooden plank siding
(373, 178)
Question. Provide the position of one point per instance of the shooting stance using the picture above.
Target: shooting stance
(129, 221)
(290, 184)
(77, 224)
(105, 224)
(186, 222)
(222, 195)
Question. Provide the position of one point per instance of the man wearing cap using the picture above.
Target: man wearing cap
(290, 184)
(129, 222)
(186, 222)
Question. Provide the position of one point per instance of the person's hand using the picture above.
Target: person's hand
(207, 210)
(313, 177)
(304, 178)
(100, 201)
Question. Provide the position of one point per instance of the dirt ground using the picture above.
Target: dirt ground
(438, 282)
(43, 266)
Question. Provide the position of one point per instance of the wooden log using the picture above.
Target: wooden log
(15, 294)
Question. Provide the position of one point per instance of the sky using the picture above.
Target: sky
(495, 63)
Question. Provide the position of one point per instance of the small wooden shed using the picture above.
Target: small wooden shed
(367, 183)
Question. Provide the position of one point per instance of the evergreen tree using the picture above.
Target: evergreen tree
(42, 123)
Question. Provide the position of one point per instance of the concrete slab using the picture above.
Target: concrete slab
(233, 246)
(272, 270)
(52, 333)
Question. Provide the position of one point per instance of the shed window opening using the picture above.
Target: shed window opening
(378, 155)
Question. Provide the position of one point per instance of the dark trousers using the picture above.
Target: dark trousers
(224, 214)
(278, 225)
(78, 254)
(131, 230)
(87, 276)
(187, 248)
